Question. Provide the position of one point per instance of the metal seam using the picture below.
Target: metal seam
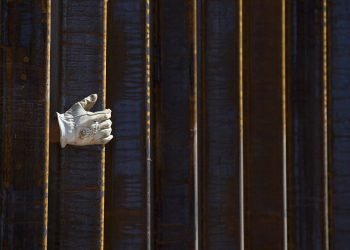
(195, 124)
(148, 123)
(241, 126)
(104, 85)
(325, 122)
(284, 129)
(47, 121)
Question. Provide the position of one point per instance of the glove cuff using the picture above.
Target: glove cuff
(66, 129)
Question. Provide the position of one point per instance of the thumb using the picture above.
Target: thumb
(88, 102)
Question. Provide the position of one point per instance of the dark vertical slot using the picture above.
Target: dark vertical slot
(55, 106)
(263, 121)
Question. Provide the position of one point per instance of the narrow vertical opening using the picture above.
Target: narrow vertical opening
(241, 126)
(47, 121)
(284, 130)
(55, 106)
(325, 123)
(148, 122)
(195, 123)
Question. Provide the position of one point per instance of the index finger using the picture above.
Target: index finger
(101, 116)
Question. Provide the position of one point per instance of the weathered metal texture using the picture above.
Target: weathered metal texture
(126, 202)
(54, 148)
(339, 23)
(76, 174)
(80, 169)
(174, 128)
(24, 127)
(263, 120)
(306, 147)
(219, 124)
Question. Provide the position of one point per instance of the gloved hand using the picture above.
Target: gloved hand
(79, 126)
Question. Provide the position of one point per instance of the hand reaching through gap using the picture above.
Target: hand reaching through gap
(78, 126)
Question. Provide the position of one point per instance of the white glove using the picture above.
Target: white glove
(81, 127)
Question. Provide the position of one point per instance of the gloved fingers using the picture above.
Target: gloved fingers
(100, 115)
(88, 102)
(105, 124)
(104, 133)
(107, 139)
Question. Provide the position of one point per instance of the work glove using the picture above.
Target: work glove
(79, 126)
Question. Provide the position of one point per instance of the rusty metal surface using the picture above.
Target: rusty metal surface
(219, 137)
(159, 193)
(23, 138)
(173, 93)
(126, 211)
(263, 159)
(306, 201)
(79, 180)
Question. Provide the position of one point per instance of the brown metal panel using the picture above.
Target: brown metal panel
(24, 124)
(263, 120)
(79, 71)
(126, 178)
(306, 148)
(174, 127)
(219, 124)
